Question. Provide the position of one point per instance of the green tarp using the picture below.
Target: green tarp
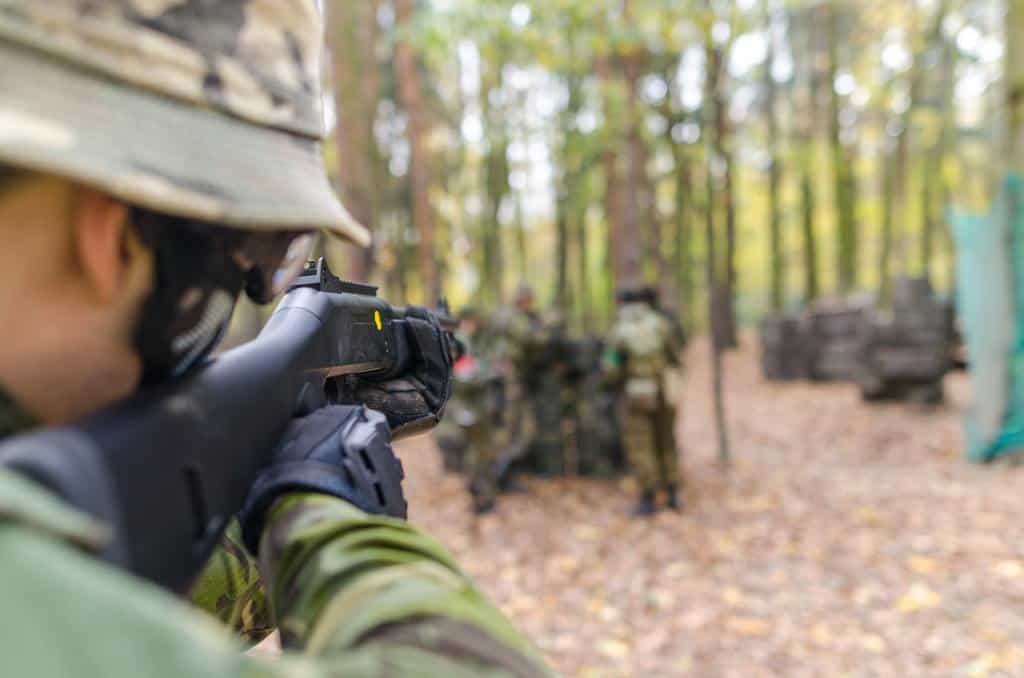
(990, 296)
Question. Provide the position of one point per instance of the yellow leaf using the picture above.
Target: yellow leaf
(821, 635)
(869, 515)
(615, 649)
(873, 643)
(732, 596)
(922, 565)
(1009, 569)
(748, 626)
(919, 597)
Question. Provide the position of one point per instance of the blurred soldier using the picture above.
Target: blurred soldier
(450, 435)
(478, 412)
(643, 348)
(597, 439)
(157, 159)
(548, 363)
(513, 329)
(527, 347)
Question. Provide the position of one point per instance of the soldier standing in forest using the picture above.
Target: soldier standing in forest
(530, 343)
(643, 348)
(451, 435)
(514, 328)
(157, 158)
(475, 418)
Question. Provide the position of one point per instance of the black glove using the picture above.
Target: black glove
(343, 451)
(414, 399)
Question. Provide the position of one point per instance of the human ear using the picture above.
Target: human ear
(99, 224)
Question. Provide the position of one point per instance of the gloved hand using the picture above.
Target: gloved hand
(414, 399)
(343, 451)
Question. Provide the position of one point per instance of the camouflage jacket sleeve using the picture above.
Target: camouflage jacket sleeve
(345, 582)
(231, 589)
(364, 598)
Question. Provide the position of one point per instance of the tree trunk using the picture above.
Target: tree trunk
(583, 296)
(496, 186)
(807, 126)
(842, 165)
(622, 246)
(711, 131)
(889, 177)
(808, 208)
(568, 207)
(934, 190)
(639, 192)
(729, 280)
(410, 92)
(352, 36)
(1015, 84)
(776, 244)
(683, 236)
(715, 318)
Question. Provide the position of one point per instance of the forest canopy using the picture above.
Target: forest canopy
(802, 148)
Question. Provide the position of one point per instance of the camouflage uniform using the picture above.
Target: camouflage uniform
(230, 589)
(509, 326)
(597, 438)
(528, 345)
(359, 595)
(478, 412)
(181, 106)
(643, 348)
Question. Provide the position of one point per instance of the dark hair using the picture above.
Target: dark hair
(639, 294)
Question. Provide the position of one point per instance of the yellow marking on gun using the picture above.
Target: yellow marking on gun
(378, 321)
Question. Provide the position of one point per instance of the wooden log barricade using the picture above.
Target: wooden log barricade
(902, 352)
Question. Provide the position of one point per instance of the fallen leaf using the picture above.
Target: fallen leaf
(1009, 569)
(748, 626)
(922, 565)
(615, 649)
(919, 597)
(873, 643)
(732, 596)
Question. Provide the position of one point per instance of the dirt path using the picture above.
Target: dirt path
(847, 540)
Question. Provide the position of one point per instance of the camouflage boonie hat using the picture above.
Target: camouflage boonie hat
(208, 109)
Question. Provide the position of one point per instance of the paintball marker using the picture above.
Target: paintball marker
(168, 468)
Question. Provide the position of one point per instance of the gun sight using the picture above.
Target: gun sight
(318, 276)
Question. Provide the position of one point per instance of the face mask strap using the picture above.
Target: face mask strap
(195, 288)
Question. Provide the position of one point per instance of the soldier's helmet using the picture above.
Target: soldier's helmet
(524, 295)
(204, 109)
(638, 294)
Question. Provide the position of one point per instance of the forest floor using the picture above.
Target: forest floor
(847, 540)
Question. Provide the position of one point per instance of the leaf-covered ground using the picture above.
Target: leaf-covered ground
(848, 540)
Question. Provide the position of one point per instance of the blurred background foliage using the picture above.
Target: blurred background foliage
(772, 151)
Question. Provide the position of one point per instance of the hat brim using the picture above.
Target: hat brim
(160, 153)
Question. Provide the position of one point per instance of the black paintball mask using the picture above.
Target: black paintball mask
(201, 268)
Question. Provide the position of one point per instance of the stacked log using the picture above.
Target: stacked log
(784, 355)
(905, 352)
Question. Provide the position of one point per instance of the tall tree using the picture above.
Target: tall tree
(777, 278)
(410, 92)
(812, 78)
(935, 189)
(623, 247)
(496, 167)
(842, 162)
(717, 132)
(1015, 84)
(713, 281)
(352, 34)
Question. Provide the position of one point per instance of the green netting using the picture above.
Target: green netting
(990, 282)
